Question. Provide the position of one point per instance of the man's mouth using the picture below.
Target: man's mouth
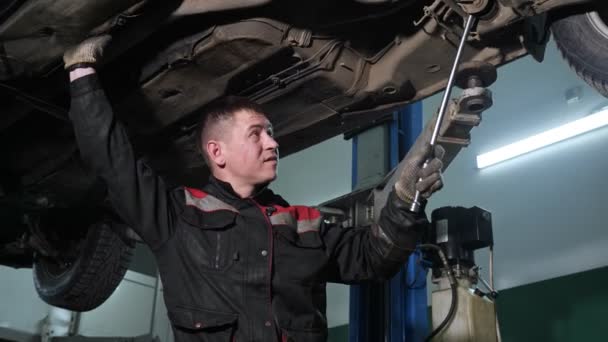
(272, 160)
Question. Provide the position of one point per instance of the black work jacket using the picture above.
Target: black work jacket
(235, 269)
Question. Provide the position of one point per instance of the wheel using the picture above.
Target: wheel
(583, 41)
(89, 272)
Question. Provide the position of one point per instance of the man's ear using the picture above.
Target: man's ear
(215, 153)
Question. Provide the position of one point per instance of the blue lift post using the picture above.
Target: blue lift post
(397, 310)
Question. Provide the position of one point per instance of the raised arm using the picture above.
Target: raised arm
(137, 193)
(378, 253)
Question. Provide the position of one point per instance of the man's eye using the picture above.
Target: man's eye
(270, 132)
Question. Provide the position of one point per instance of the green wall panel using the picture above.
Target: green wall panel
(569, 308)
(338, 334)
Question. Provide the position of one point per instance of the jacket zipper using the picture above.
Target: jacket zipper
(266, 212)
(217, 251)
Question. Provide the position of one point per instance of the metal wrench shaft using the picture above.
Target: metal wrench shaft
(415, 207)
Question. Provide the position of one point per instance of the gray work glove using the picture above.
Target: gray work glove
(86, 54)
(413, 177)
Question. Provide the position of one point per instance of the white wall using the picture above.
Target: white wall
(20, 307)
(316, 174)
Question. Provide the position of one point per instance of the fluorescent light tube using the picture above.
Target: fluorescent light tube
(541, 140)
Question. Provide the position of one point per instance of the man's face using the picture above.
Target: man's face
(250, 150)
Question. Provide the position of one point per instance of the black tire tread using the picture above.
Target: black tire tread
(600, 85)
(564, 31)
(100, 270)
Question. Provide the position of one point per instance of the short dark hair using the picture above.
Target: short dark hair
(219, 110)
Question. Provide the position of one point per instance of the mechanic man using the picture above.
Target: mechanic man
(237, 262)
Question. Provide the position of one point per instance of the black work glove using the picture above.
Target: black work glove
(406, 227)
(413, 176)
(86, 54)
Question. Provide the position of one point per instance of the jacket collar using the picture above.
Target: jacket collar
(225, 192)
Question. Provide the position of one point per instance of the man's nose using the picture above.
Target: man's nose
(271, 144)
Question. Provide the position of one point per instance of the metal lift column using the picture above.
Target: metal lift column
(395, 310)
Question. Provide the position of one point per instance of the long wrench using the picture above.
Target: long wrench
(415, 207)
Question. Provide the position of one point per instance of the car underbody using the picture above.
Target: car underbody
(319, 70)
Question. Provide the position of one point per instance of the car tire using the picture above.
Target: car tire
(100, 264)
(583, 41)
